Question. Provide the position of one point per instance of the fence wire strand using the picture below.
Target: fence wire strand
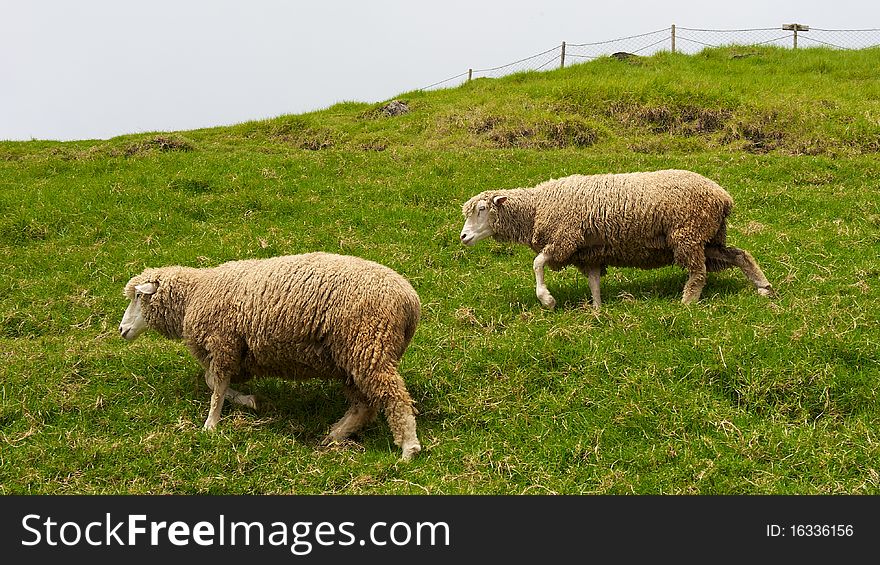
(664, 30)
(516, 62)
(681, 37)
(430, 86)
(780, 38)
(693, 41)
(804, 38)
(649, 46)
(729, 30)
(547, 63)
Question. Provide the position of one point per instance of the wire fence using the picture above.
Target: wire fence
(677, 40)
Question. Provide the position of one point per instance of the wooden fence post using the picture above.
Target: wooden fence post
(562, 57)
(470, 74)
(794, 28)
(673, 38)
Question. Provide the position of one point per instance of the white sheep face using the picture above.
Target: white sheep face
(133, 321)
(477, 225)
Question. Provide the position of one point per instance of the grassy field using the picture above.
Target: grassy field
(736, 394)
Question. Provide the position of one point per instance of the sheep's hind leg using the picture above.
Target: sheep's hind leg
(232, 395)
(386, 389)
(735, 257)
(359, 413)
(594, 276)
(541, 291)
(693, 259)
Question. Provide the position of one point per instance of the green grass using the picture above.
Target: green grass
(736, 394)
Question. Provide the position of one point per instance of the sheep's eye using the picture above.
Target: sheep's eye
(481, 208)
(137, 295)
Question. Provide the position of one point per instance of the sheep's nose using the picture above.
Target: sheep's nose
(463, 235)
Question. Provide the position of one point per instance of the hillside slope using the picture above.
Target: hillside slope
(736, 394)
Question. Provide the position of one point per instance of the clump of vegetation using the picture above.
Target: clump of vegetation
(159, 143)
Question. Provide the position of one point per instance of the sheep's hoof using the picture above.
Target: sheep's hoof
(410, 451)
(766, 291)
(209, 426)
(332, 440)
(547, 302)
(248, 401)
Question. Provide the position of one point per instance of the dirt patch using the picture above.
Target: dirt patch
(314, 141)
(373, 145)
(758, 135)
(686, 119)
(505, 133)
(573, 133)
(511, 135)
(161, 144)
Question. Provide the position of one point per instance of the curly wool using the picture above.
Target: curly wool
(619, 219)
(336, 314)
(297, 316)
(644, 220)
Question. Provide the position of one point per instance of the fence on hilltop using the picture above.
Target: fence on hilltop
(677, 40)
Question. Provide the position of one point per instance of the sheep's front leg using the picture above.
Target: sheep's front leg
(540, 288)
(594, 275)
(224, 363)
(246, 400)
(221, 383)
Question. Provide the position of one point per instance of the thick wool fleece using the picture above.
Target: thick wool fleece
(631, 219)
(299, 316)
(644, 220)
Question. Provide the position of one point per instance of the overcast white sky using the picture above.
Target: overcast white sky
(94, 69)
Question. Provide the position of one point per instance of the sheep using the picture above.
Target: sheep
(297, 317)
(645, 220)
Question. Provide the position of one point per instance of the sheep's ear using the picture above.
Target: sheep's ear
(499, 200)
(147, 287)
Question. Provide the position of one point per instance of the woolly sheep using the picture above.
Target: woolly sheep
(644, 220)
(296, 316)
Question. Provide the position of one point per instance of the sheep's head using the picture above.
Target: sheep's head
(139, 291)
(478, 214)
